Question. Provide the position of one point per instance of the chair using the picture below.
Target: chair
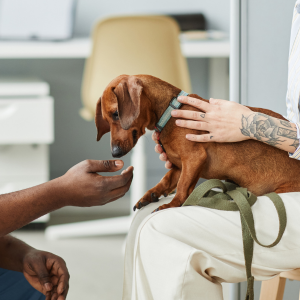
(132, 45)
(273, 289)
(127, 45)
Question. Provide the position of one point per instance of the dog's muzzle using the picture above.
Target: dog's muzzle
(116, 151)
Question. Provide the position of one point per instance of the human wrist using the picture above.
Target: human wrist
(13, 252)
(59, 195)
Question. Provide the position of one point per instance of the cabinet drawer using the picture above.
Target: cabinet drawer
(26, 121)
(23, 161)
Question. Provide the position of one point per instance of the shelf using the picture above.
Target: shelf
(81, 48)
(75, 48)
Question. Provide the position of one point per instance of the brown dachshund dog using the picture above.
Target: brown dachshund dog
(130, 104)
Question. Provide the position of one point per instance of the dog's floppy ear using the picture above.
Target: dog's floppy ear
(128, 93)
(101, 124)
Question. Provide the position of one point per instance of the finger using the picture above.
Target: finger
(168, 165)
(155, 136)
(119, 192)
(39, 267)
(193, 125)
(61, 270)
(64, 294)
(203, 105)
(123, 189)
(189, 114)
(163, 157)
(200, 138)
(54, 296)
(158, 149)
(94, 166)
(114, 182)
(48, 296)
(62, 284)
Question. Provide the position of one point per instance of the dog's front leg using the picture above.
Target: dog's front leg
(191, 170)
(167, 184)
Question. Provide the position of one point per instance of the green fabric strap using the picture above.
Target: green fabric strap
(234, 198)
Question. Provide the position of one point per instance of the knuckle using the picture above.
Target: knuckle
(87, 162)
(101, 184)
(206, 138)
(106, 164)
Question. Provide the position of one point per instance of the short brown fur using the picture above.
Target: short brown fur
(251, 164)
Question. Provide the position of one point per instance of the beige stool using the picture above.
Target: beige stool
(273, 289)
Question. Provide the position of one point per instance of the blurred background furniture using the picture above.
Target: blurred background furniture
(26, 130)
(273, 289)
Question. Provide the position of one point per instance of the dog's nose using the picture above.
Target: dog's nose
(116, 151)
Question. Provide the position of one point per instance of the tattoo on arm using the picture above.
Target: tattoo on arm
(267, 129)
(287, 133)
(295, 144)
(286, 123)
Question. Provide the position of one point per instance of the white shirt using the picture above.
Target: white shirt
(293, 90)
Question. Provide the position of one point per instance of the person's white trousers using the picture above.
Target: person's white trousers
(186, 252)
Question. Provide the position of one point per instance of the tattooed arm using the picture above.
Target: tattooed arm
(275, 132)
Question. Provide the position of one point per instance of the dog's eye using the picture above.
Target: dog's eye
(115, 115)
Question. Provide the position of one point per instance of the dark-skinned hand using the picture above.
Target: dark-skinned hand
(82, 186)
(47, 273)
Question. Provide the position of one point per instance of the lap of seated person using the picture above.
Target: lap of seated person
(187, 252)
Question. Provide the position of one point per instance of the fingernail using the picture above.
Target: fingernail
(118, 163)
(180, 98)
(174, 113)
(178, 122)
(48, 286)
(123, 172)
(188, 136)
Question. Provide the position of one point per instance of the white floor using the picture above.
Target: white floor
(95, 264)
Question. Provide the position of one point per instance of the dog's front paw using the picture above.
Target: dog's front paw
(176, 203)
(148, 198)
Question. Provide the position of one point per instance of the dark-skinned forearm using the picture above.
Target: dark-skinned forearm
(20, 208)
(272, 131)
(12, 252)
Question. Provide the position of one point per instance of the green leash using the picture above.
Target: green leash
(204, 196)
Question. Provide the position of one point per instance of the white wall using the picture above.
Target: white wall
(269, 29)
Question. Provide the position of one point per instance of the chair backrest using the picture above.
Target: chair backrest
(133, 45)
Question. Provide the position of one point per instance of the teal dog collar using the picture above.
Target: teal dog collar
(174, 104)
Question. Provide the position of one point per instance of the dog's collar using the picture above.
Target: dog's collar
(174, 104)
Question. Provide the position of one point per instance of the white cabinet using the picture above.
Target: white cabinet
(26, 121)
(26, 130)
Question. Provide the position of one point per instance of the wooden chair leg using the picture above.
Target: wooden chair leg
(272, 289)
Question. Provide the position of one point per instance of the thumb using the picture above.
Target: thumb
(104, 165)
(43, 275)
